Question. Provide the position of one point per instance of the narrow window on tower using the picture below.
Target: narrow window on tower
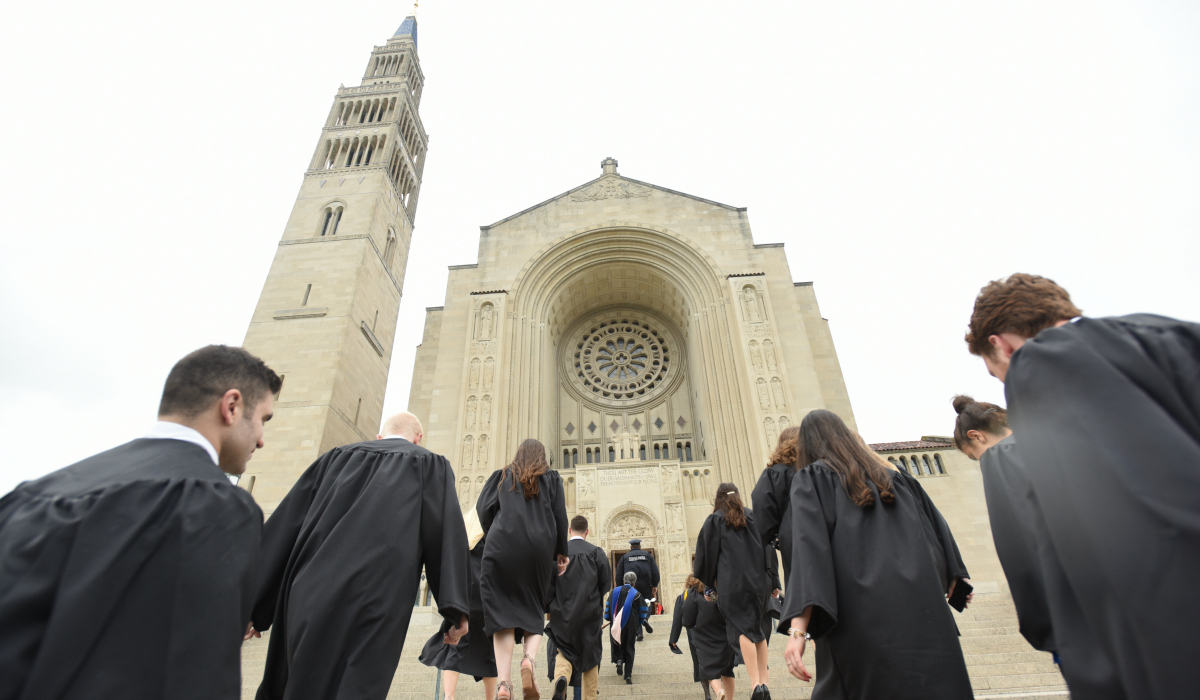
(390, 249)
(376, 321)
(307, 291)
(337, 219)
(357, 410)
(328, 220)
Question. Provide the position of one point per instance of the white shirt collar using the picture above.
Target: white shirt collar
(166, 430)
(396, 437)
(576, 537)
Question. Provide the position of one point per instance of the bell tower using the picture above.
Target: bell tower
(326, 319)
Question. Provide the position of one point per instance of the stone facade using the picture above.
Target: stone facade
(326, 319)
(644, 338)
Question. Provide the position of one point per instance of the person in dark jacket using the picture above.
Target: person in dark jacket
(732, 562)
(474, 654)
(627, 611)
(577, 612)
(524, 518)
(641, 562)
(773, 492)
(712, 657)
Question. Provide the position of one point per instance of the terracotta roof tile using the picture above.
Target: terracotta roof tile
(910, 445)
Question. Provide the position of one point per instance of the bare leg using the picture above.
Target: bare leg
(717, 688)
(449, 683)
(764, 676)
(532, 643)
(529, 686)
(750, 657)
(489, 689)
(727, 682)
(502, 644)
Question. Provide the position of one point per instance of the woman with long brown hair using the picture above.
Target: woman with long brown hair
(874, 564)
(731, 560)
(524, 518)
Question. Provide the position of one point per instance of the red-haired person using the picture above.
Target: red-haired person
(1107, 417)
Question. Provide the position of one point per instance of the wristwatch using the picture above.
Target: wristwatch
(799, 633)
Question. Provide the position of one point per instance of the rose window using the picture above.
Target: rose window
(621, 358)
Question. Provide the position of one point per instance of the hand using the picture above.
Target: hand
(794, 656)
(457, 632)
(563, 560)
(775, 593)
(251, 632)
(970, 596)
(675, 648)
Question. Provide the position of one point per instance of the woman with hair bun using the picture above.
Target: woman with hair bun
(524, 519)
(732, 562)
(981, 432)
(873, 563)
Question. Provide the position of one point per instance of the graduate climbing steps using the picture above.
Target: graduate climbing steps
(1002, 664)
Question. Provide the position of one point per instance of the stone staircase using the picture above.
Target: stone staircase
(1002, 665)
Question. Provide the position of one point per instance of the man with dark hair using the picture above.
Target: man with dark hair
(131, 574)
(1106, 412)
(577, 612)
(342, 561)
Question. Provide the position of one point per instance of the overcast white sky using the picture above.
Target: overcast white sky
(906, 153)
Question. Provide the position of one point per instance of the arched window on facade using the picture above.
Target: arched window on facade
(587, 453)
(566, 457)
(657, 451)
(916, 462)
(925, 462)
(330, 218)
(687, 446)
(679, 451)
(642, 453)
(903, 463)
(937, 459)
(612, 454)
(575, 457)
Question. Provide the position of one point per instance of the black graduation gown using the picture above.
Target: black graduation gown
(1107, 418)
(1010, 509)
(640, 562)
(715, 656)
(677, 627)
(734, 562)
(127, 575)
(771, 496)
(342, 560)
(523, 539)
(626, 650)
(577, 605)
(474, 654)
(876, 579)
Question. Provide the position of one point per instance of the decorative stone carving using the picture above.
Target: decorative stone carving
(611, 188)
(586, 485)
(752, 304)
(764, 398)
(625, 444)
(629, 526)
(590, 514)
(468, 453)
(674, 517)
(464, 492)
(473, 382)
(483, 445)
(772, 434)
(679, 556)
(784, 423)
(489, 370)
(756, 356)
(484, 330)
(769, 353)
(777, 392)
(485, 413)
(470, 413)
(479, 482)
(670, 482)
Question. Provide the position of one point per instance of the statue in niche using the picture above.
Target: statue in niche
(485, 323)
(479, 487)
(590, 514)
(468, 454)
(764, 399)
(625, 444)
(488, 369)
(769, 351)
(674, 513)
(756, 356)
(784, 423)
(464, 492)
(483, 450)
(777, 392)
(485, 415)
(471, 412)
(772, 435)
(584, 485)
(750, 300)
(670, 475)
(677, 556)
(474, 381)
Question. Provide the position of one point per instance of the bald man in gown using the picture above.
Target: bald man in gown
(342, 561)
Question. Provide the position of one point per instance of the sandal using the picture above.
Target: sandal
(504, 687)
(528, 680)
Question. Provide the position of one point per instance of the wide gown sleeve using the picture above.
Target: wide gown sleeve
(708, 551)
(279, 539)
(814, 583)
(561, 522)
(444, 541)
(954, 566)
(690, 609)
(603, 572)
(676, 621)
(488, 504)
